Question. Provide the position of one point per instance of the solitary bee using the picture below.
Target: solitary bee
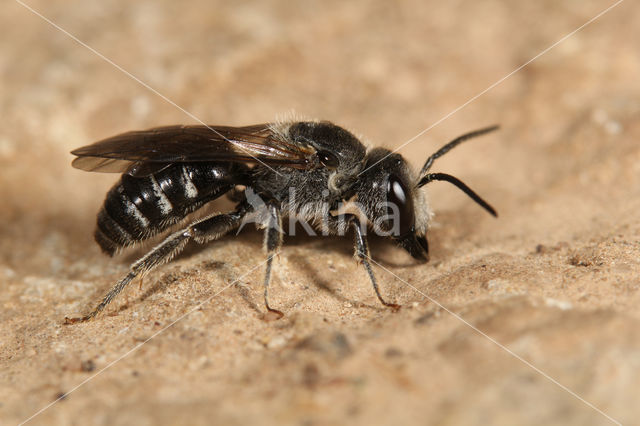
(304, 170)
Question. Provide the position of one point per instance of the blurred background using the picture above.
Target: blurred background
(558, 269)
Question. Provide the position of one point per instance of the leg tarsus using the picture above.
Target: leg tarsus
(267, 279)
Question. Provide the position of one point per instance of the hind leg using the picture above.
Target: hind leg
(202, 231)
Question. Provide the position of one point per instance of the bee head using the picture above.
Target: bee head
(388, 192)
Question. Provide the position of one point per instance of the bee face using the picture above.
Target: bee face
(386, 192)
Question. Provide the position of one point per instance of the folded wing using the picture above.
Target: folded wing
(141, 153)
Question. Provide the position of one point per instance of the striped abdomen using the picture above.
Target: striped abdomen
(137, 208)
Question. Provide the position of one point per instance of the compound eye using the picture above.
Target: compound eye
(399, 196)
(329, 160)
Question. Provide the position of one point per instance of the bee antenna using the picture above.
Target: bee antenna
(461, 185)
(457, 141)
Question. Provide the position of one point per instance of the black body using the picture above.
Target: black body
(138, 208)
(298, 169)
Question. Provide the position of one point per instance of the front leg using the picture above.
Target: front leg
(272, 243)
(361, 248)
(362, 252)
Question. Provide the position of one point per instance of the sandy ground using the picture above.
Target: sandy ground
(532, 318)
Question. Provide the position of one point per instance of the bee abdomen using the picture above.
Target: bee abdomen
(138, 208)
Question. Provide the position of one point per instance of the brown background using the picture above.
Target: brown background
(554, 279)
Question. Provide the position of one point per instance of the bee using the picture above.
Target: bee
(304, 170)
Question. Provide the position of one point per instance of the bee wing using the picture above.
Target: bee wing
(111, 165)
(144, 152)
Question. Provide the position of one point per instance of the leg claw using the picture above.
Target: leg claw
(273, 315)
(393, 306)
(69, 321)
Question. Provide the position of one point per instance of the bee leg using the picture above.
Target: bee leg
(272, 243)
(202, 231)
(362, 252)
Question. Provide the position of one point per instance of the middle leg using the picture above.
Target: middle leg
(272, 243)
